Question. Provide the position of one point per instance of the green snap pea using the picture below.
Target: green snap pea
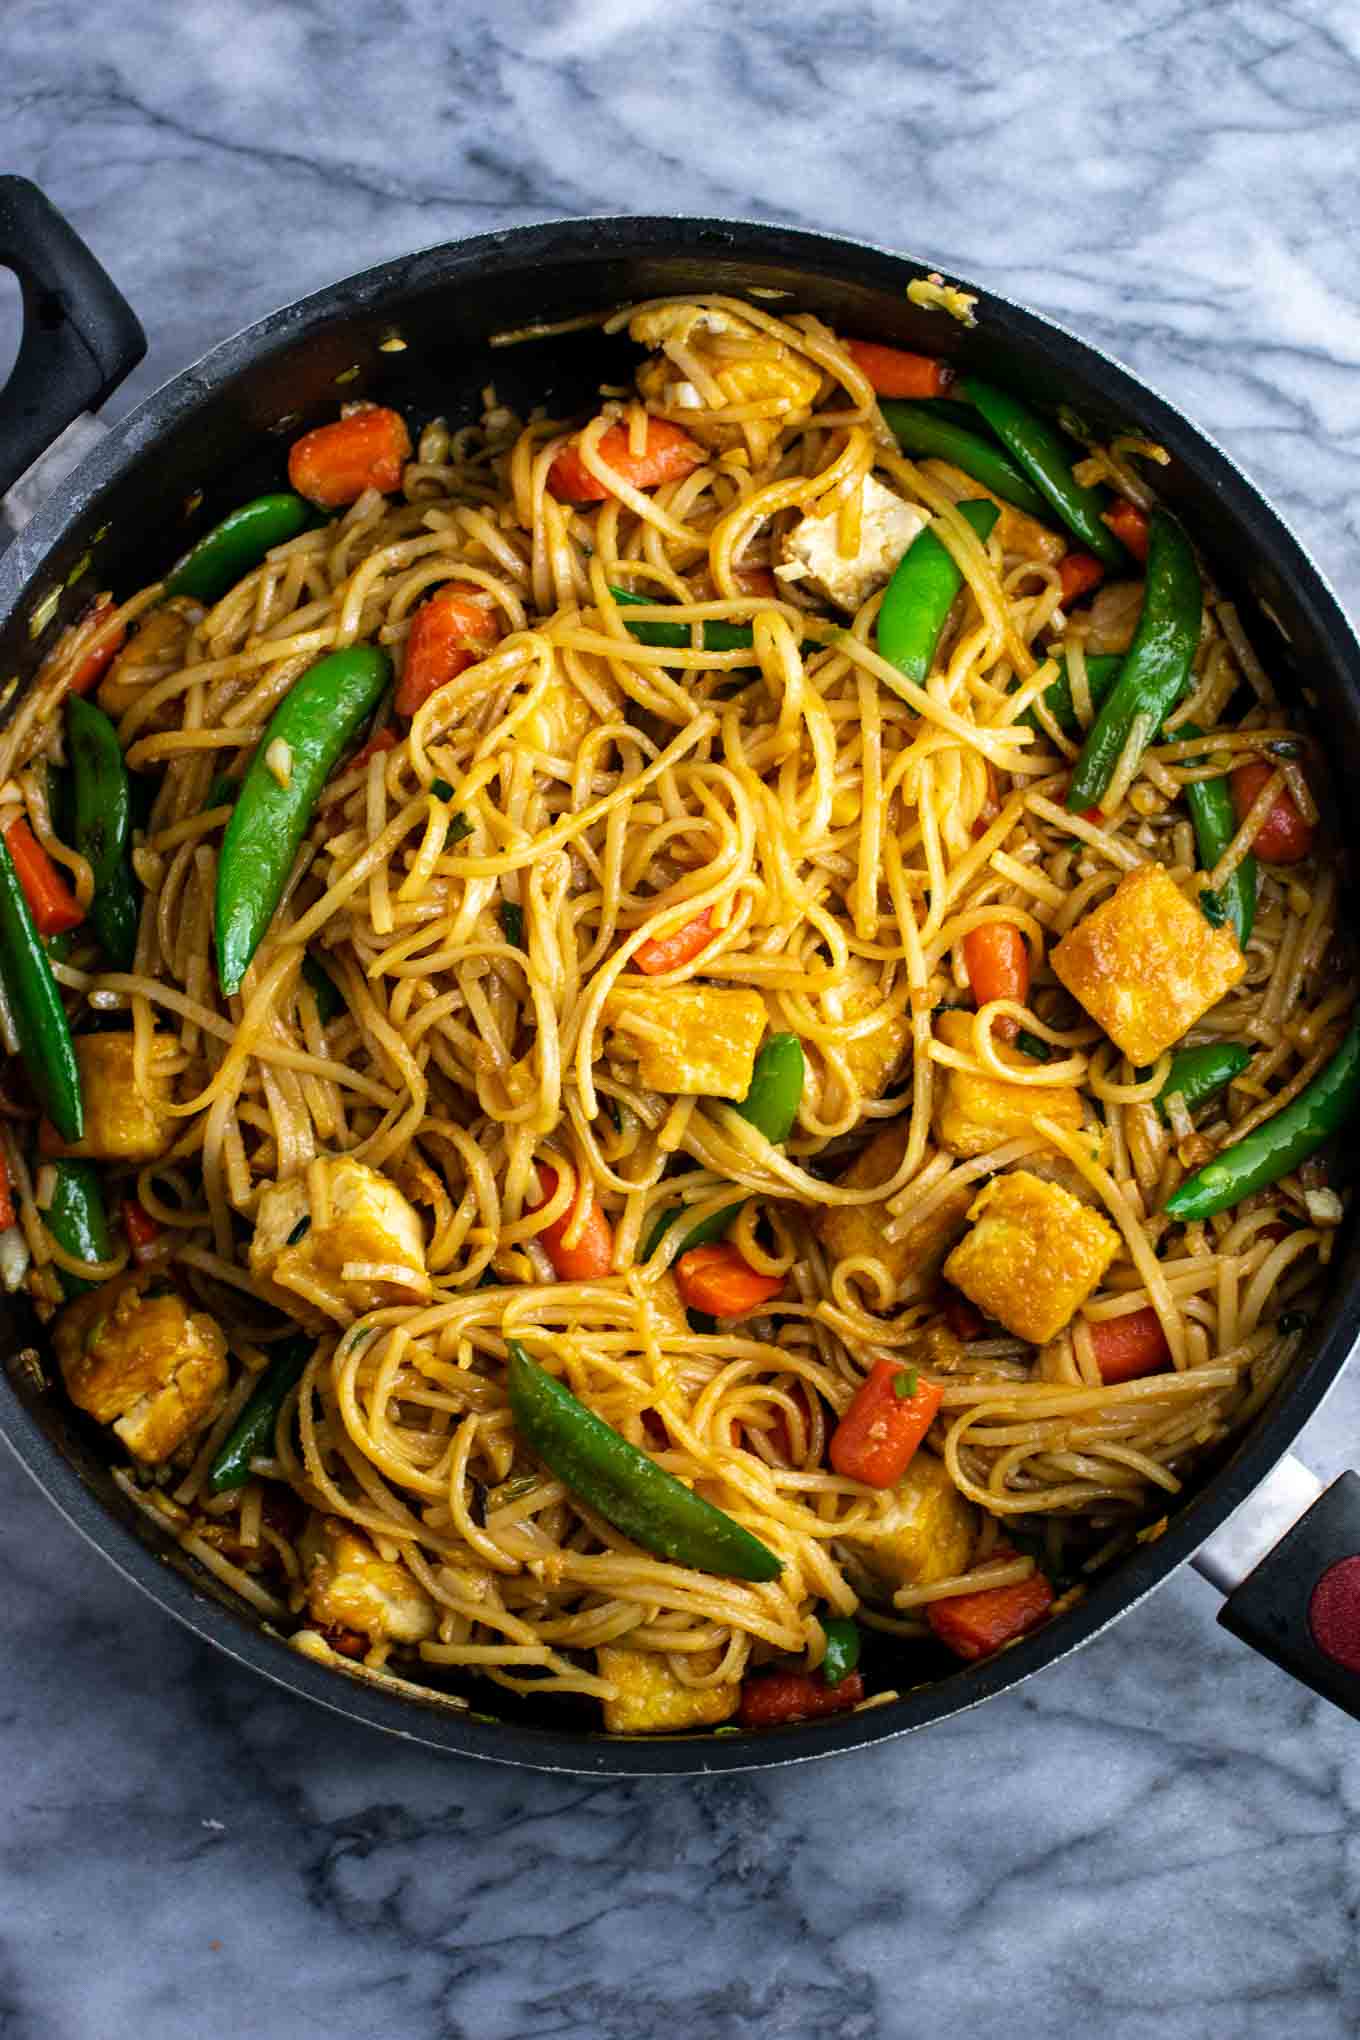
(771, 1104)
(324, 989)
(925, 430)
(103, 826)
(1278, 1146)
(1039, 451)
(1102, 670)
(316, 720)
(34, 1002)
(917, 600)
(842, 1649)
(1214, 820)
(237, 545)
(1156, 666)
(624, 1485)
(77, 1220)
(253, 1431)
(714, 636)
(1199, 1074)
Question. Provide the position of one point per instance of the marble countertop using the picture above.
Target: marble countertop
(1153, 1841)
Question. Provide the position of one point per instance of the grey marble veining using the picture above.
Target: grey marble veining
(1155, 1841)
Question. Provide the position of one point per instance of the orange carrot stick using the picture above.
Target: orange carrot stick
(1129, 525)
(876, 1440)
(896, 373)
(1079, 573)
(682, 945)
(975, 1625)
(592, 1254)
(1283, 837)
(1127, 1347)
(448, 634)
(996, 959)
(796, 1696)
(668, 456)
(718, 1280)
(334, 464)
(51, 901)
(95, 664)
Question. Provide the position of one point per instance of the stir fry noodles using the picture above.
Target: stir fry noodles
(646, 1051)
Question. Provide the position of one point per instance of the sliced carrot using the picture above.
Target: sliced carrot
(384, 739)
(1079, 573)
(95, 664)
(51, 901)
(682, 945)
(1130, 1346)
(718, 1280)
(975, 1625)
(592, 1254)
(334, 464)
(773, 1697)
(141, 1229)
(448, 634)
(876, 1440)
(668, 456)
(1284, 837)
(896, 373)
(1129, 525)
(8, 1216)
(996, 959)
(963, 1318)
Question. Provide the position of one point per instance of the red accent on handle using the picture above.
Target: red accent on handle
(1334, 1613)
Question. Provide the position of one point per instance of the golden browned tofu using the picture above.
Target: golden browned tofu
(1020, 534)
(848, 1231)
(1033, 1254)
(975, 1114)
(669, 1319)
(350, 1587)
(696, 1041)
(122, 1124)
(875, 1057)
(887, 527)
(147, 1364)
(155, 649)
(1146, 965)
(928, 1533)
(651, 1699)
(341, 1238)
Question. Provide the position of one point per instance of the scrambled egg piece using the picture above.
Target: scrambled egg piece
(1147, 965)
(563, 718)
(317, 1234)
(350, 1587)
(850, 1230)
(888, 525)
(928, 1533)
(650, 1697)
(121, 1123)
(975, 1114)
(720, 362)
(694, 1041)
(155, 649)
(146, 1364)
(1019, 533)
(1034, 1254)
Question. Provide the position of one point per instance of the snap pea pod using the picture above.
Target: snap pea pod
(253, 1430)
(771, 1104)
(44, 1033)
(1278, 1146)
(1039, 451)
(917, 600)
(1199, 1074)
(324, 989)
(842, 1649)
(923, 429)
(77, 1220)
(714, 636)
(315, 722)
(237, 545)
(1102, 670)
(1156, 666)
(625, 1486)
(102, 826)
(1214, 820)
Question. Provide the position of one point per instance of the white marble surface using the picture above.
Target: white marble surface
(1155, 1841)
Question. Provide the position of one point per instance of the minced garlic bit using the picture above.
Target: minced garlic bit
(933, 294)
(279, 760)
(1324, 1207)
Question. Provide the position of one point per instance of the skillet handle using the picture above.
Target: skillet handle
(80, 335)
(1296, 1597)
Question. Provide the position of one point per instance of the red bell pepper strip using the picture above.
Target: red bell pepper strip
(50, 900)
(681, 946)
(975, 1625)
(774, 1697)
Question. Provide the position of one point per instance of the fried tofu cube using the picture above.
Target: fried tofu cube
(1034, 1253)
(974, 1114)
(155, 650)
(849, 1231)
(1146, 964)
(888, 525)
(874, 1057)
(342, 1239)
(350, 1587)
(122, 1124)
(1021, 535)
(694, 1041)
(927, 1534)
(145, 1363)
(650, 1699)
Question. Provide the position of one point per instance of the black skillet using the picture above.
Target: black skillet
(414, 333)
